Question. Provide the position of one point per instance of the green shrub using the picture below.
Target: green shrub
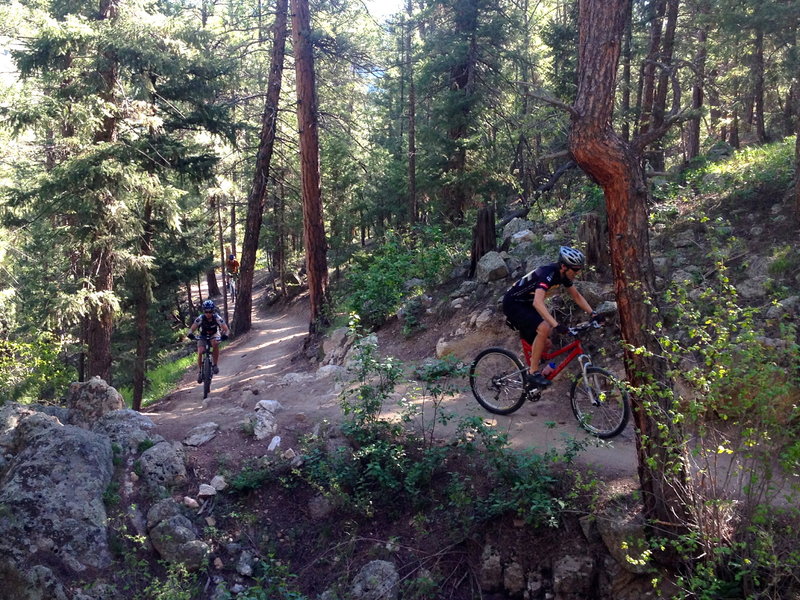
(374, 287)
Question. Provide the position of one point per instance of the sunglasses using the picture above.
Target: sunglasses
(575, 269)
(208, 312)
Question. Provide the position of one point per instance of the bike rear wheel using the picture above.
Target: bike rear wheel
(600, 403)
(207, 374)
(496, 378)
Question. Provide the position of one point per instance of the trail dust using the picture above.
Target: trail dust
(268, 363)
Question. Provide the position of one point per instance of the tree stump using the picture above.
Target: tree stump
(484, 237)
(593, 233)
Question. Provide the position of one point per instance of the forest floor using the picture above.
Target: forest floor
(268, 363)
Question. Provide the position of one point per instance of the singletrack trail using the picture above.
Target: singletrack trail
(267, 364)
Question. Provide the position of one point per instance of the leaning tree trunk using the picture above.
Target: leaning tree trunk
(211, 281)
(313, 225)
(242, 320)
(616, 166)
(413, 209)
(698, 90)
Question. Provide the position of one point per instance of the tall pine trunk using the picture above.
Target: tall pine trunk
(242, 320)
(313, 226)
(616, 166)
(692, 147)
(101, 318)
(413, 209)
(143, 296)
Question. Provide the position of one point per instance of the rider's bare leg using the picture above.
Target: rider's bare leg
(539, 344)
(215, 350)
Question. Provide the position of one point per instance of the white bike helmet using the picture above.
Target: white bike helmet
(208, 305)
(571, 257)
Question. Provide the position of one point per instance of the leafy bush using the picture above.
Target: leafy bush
(740, 401)
(375, 284)
(33, 370)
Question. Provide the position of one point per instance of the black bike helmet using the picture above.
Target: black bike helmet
(571, 257)
(232, 256)
(209, 305)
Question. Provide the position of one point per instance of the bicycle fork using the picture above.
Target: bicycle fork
(586, 361)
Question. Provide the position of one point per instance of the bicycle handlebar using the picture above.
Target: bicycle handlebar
(581, 327)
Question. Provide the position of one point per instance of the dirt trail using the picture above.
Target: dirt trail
(255, 367)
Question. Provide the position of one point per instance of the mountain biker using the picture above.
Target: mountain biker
(210, 324)
(232, 265)
(524, 306)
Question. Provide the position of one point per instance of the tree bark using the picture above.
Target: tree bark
(211, 281)
(616, 167)
(307, 119)
(242, 320)
(692, 147)
(143, 294)
(101, 318)
(484, 237)
(758, 86)
(413, 209)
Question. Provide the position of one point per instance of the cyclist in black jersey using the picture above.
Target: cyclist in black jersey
(524, 306)
(210, 324)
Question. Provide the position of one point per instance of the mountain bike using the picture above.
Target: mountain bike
(207, 366)
(599, 400)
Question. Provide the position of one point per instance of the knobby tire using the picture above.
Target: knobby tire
(496, 379)
(207, 374)
(602, 409)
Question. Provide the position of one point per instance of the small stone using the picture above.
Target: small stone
(218, 564)
(190, 502)
(219, 483)
(275, 443)
(206, 490)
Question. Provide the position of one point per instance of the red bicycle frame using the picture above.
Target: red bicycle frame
(574, 348)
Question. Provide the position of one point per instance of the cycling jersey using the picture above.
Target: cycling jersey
(233, 266)
(547, 278)
(209, 327)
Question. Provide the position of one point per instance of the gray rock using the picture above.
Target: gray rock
(161, 511)
(624, 537)
(491, 574)
(176, 541)
(201, 434)
(572, 578)
(52, 496)
(516, 225)
(786, 307)
(514, 579)
(319, 507)
(377, 580)
(491, 267)
(162, 464)
(752, 289)
(127, 428)
(89, 401)
(244, 566)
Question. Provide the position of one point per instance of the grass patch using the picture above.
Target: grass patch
(161, 380)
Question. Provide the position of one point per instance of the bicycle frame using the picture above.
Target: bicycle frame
(575, 349)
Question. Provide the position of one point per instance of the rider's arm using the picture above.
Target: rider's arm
(579, 299)
(540, 306)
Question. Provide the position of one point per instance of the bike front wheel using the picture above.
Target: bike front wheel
(207, 374)
(600, 403)
(496, 378)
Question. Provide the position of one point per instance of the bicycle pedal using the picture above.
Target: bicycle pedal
(534, 395)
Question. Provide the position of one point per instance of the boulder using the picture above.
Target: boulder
(52, 496)
(377, 580)
(162, 464)
(90, 400)
(127, 428)
(491, 267)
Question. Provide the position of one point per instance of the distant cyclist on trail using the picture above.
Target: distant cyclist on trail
(524, 306)
(232, 265)
(211, 324)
